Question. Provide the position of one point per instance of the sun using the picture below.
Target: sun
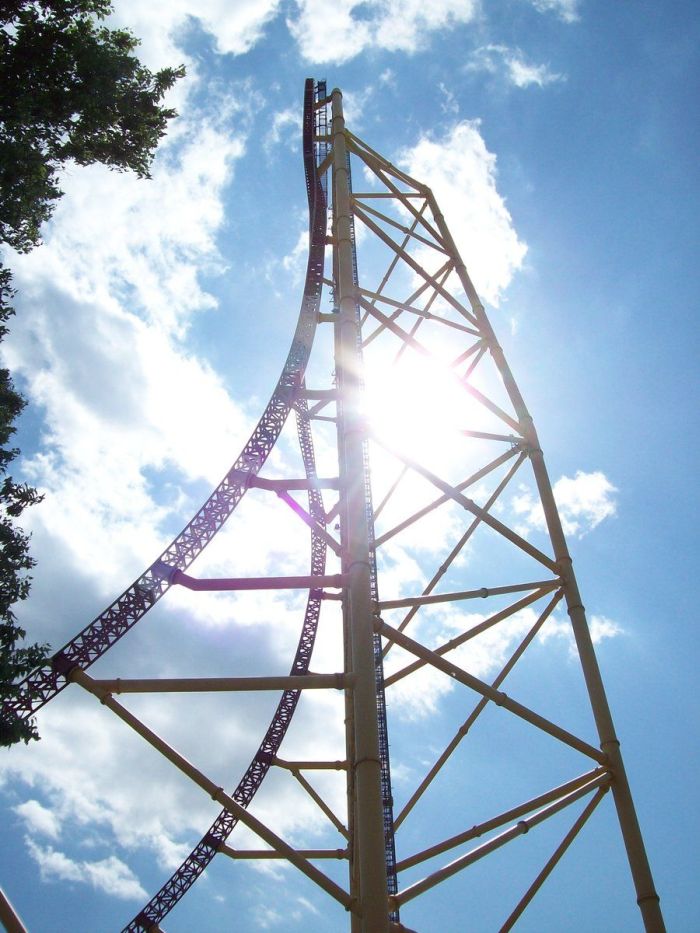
(418, 407)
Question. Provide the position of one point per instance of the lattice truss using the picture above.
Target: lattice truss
(472, 586)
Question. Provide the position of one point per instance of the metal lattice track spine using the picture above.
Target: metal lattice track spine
(203, 853)
(189, 871)
(104, 631)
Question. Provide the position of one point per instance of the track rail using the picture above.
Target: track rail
(107, 628)
(205, 850)
(203, 853)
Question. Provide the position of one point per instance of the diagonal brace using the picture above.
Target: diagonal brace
(500, 699)
(77, 675)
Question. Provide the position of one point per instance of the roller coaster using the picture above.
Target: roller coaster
(421, 313)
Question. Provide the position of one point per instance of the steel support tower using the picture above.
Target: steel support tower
(412, 331)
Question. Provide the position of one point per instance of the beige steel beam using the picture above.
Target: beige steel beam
(500, 699)
(460, 487)
(472, 507)
(301, 512)
(521, 827)
(451, 557)
(647, 898)
(407, 306)
(470, 633)
(392, 266)
(271, 854)
(543, 585)
(310, 765)
(586, 781)
(476, 712)
(320, 803)
(79, 676)
(386, 194)
(377, 294)
(217, 684)
(369, 881)
(410, 232)
(551, 863)
(387, 496)
(378, 165)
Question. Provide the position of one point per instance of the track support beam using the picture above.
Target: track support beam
(368, 872)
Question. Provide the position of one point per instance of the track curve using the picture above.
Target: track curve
(184, 877)
(114, 622)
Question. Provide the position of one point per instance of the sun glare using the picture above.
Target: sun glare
(418, 407)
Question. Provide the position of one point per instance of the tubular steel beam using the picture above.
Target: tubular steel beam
(321, 803)
(217, 684)
(521, 827)
(588, 781)
(216, 793)
(469, 481)
(647, 898)
(500, 699)
(271, 854)
(310, 765)
(444, 567)
(465, 636)
(217, 584)
(308, 520)
(543, 585)
(477, 711)
(551, 863)
(260, 482)
(472, 507)
(370, 874)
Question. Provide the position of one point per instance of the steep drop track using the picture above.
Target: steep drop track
(104, 631)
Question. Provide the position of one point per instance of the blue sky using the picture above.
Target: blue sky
(151, 328)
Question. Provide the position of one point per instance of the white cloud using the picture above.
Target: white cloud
(356, 25)
(419, 694)
(583, 503)
(115, 410)
(462, 174)
(39, 819)
(496, 59)
(566, 10)
(147, 243)
(354, 103)
(295, 260)
(449, 102)
(130, 417)
(110, 875)
(284, 128)
(600, 628)
(235, 27)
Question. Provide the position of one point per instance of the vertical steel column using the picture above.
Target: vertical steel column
(368, 842)
(647, 898)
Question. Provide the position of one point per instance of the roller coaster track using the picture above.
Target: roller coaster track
(425, 282)
(205, 850)
(120, 617)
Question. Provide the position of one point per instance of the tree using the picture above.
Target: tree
(15, 560)
(71, 91)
